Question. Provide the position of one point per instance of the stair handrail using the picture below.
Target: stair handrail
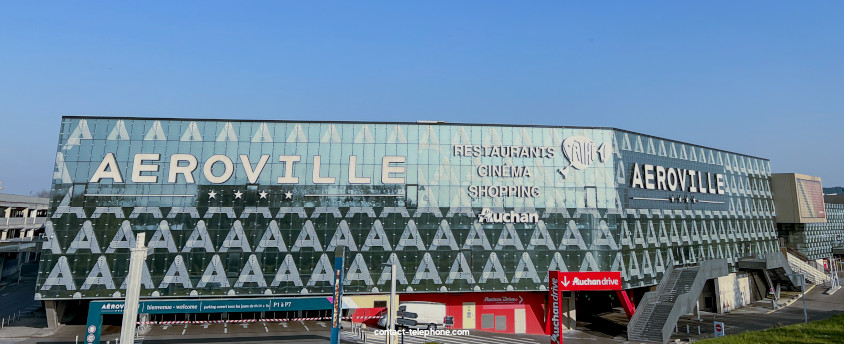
(648, 298)
(660, 288)
(683, 302)
(810, 272)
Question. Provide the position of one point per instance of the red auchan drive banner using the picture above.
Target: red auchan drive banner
(598, 280)
(573, 281)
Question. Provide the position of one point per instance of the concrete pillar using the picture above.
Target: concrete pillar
(55, 312)
(144, 327)
(569, 316)
(719, 307)
(697, 309)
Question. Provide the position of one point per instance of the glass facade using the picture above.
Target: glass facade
(257, 208)
(816, 240)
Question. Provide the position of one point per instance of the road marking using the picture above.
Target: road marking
(265, 328)
(283, 324)
(225, 328)
(322, 324)
(472, 339)
(164, 327)
(518, 339)
(306, 326)
(792, 301)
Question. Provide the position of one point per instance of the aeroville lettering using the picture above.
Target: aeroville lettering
(146, 169)
(654, 177)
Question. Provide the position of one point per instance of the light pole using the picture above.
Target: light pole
(803, 294)
(391, 313)
(133, 290)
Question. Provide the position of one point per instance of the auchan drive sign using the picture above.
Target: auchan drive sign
(598, 280)
(573, 281)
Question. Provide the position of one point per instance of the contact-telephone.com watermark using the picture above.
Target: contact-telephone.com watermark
(423, 333)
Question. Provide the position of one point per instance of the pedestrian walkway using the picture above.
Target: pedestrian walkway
(368, 335)
(758, 317)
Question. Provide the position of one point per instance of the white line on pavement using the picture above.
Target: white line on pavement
(516, 339)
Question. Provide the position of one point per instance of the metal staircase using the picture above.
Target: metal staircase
(676, 295)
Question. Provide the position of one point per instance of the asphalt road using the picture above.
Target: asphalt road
(818, 307)
(292, 332)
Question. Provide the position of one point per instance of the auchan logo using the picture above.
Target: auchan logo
(487, 216)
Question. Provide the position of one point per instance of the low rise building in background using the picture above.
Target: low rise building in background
(22, 221)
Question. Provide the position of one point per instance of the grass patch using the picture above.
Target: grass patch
(822, 331)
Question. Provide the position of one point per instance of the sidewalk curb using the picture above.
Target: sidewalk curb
(792, 301)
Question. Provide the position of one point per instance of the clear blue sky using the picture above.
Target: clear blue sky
(763, 78)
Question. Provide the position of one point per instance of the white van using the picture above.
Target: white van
(429, 315)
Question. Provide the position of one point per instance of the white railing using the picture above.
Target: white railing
(812, 274)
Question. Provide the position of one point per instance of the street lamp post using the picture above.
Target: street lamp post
(803, 294)
(391, 313)
(133, 290)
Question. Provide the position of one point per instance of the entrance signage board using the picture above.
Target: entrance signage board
(96, 309)
(559, 281)
(597, 280)
(553, 319)
(218, 306)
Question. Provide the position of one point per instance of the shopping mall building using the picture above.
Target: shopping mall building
(473, 215)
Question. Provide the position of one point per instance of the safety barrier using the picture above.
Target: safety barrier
(238, 321)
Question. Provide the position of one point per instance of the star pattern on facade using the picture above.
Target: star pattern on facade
(263, 194)
(238, 194)
(683, 199)
(212, 194)
(288, 195)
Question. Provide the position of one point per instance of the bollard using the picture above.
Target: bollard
(76, 341)
(698, 330)
(687, 328)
